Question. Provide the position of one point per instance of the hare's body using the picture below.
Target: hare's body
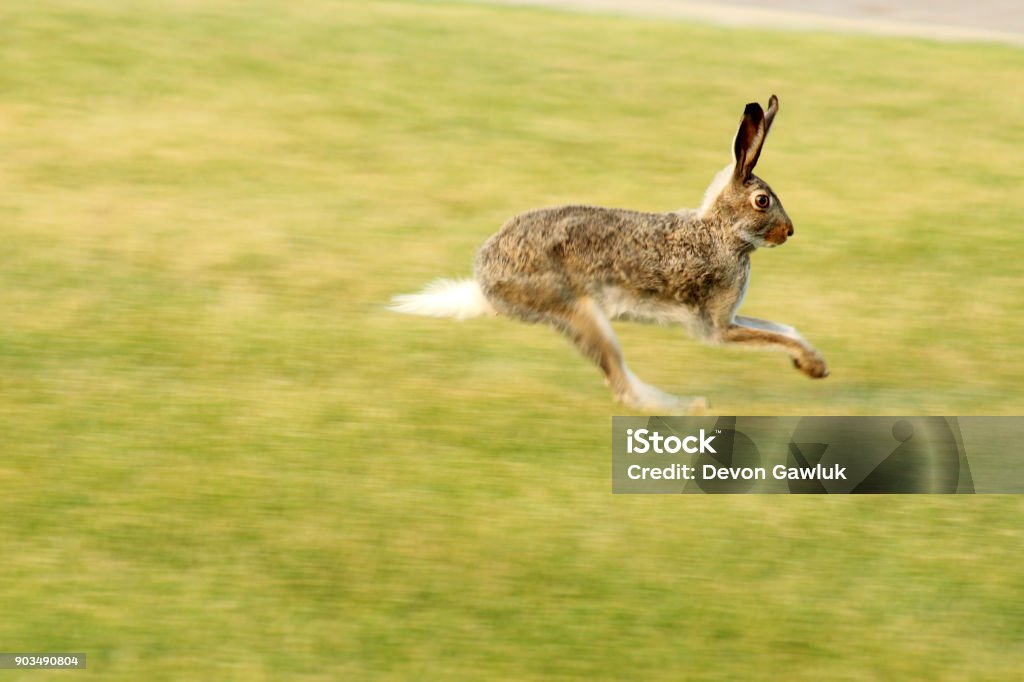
(577, 267)
(669, 268)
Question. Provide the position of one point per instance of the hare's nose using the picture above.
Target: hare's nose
(789, 230)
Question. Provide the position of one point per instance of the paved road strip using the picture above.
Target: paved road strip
(736, 15)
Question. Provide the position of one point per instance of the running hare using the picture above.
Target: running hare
(577, 267)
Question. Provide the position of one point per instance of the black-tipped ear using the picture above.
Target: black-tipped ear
(769, 116)
(749, 139)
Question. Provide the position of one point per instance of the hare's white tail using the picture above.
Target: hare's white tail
(460, 299)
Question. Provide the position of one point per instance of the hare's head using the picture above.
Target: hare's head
(740, 200)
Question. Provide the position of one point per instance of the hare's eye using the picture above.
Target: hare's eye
(761, 200)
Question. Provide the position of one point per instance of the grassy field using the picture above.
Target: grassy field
(223, 459)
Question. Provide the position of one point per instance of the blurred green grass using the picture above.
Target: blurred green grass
(224, 459)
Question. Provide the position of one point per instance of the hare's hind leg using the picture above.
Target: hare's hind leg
(548, 298)
(588, 327)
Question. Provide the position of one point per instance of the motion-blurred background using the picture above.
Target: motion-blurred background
(223, 459)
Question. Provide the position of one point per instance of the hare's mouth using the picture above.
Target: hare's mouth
(779, 234)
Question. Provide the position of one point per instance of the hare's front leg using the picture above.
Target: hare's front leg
(754, 332)
(588, 327)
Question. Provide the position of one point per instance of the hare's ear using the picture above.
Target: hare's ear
(769, 116)
(749, 140)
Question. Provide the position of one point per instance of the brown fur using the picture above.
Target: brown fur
(573, 266)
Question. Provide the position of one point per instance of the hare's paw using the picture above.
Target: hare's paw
(697, 405)
(812, 364)
(646, 398)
